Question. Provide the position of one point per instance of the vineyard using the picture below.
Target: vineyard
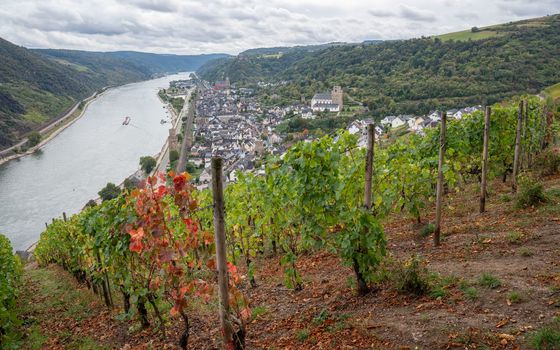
(155, 255)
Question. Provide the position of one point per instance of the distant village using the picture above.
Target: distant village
(232, 124)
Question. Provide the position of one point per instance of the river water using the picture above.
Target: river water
(70, 169)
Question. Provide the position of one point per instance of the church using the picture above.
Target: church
(330, 101)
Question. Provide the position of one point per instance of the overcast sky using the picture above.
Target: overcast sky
(231, 26)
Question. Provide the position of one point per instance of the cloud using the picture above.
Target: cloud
(412, 13)
(381, 13)
(199, 26)
(156, 5)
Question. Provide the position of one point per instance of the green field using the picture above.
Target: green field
(553, 91)
(468, 35)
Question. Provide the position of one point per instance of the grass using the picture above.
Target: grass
(35, 339)
(470, 293)
(57, 295)
(514, 237)
(258, 311)
(525, 252)
(467, 35)
(553, 91)
(546, 338)
(516, 297)
(427, 230)
(489, 281)
(320, 318)
(302, 335)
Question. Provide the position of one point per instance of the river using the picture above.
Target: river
(70, 169)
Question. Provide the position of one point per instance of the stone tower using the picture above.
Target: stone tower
(337, 96)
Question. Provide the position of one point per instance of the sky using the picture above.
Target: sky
(231, 26)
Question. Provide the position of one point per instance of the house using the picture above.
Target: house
(434, 116)
(394, 121)
(329, 101)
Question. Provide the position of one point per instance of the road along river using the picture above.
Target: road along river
(70, 169)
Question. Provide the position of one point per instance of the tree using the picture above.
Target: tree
(148, 164)
(190, 168)
(110, 191)
(129, 184)
(34, 139)
(173, 155)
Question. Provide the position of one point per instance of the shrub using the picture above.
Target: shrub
(413, 277)
(10, 275)
(549, 161)
(531, 193)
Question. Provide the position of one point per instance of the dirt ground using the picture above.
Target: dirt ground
(497, 276)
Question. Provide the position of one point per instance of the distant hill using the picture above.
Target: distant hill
(478, 66)
(37, 85)
(153, 63)
(287, 49)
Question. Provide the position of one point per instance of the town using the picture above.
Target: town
(230, 122)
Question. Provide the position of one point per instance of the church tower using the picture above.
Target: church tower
(337, 96)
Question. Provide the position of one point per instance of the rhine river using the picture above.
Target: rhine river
(70, 169)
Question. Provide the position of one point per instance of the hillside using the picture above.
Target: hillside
(154, 63)
(38, 85)
(414, 76)
(35, 89)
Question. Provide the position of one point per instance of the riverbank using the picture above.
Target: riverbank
(53, 129)
(95, 150)
(161, 163)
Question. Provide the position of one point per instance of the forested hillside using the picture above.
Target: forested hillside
(38, 85)
(414, 76)
(35, 89)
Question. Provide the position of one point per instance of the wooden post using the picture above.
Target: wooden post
(517, 151)
(64, 216)
(524, 161)
(221, 259)
(369, 165)
(485, 159)
(439, 190)
(46, 225)
(544, 128)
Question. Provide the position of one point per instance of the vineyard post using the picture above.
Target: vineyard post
(64, 216)
(369, 165)
(485, 159)
(524, 144)
(517, 151)
(544, 128)
(46, 226)
(221, 259)
(439, 190)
